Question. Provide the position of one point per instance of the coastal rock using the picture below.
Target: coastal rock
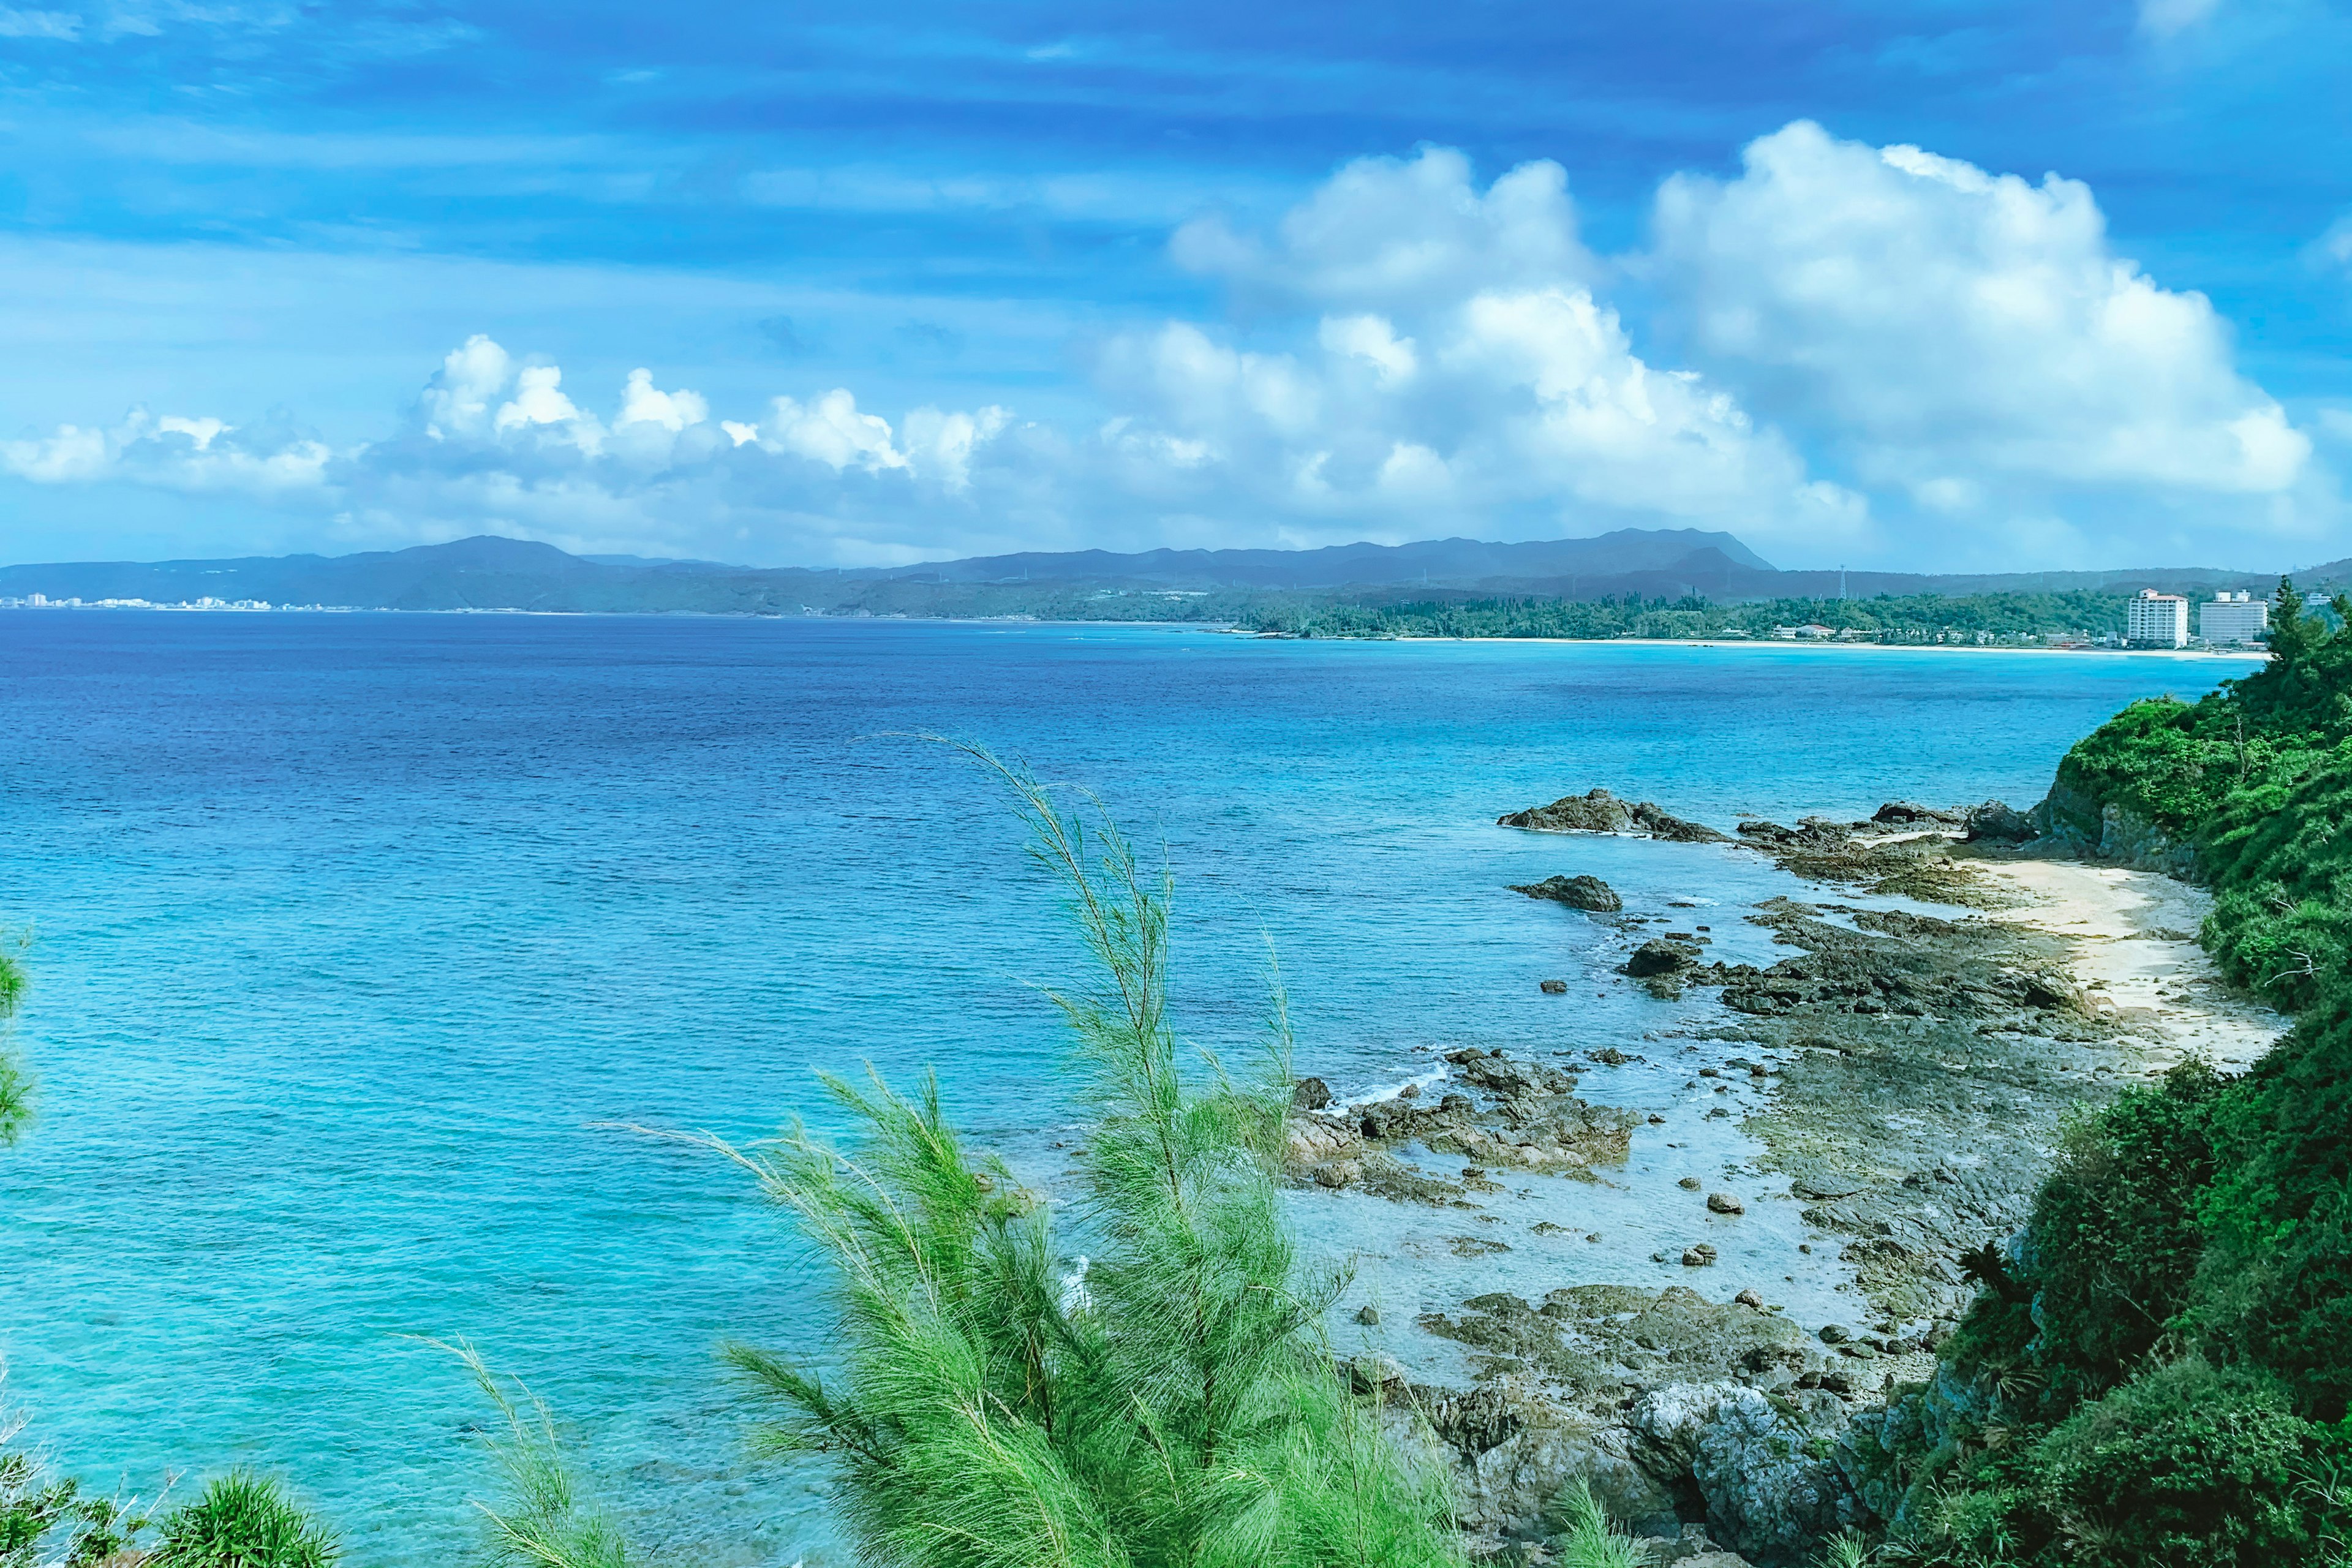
(1552, 987)
(2077, 823)
(1518, 1483)
(1598, 811)
(1724, 1203)
(1602, 1343)
(1595, 812)
(1658, 823)
(1580, 893)
(1903, 814)
(1559, 1132)
(1765, 1466)
(1996, 822)
(1500, 1075)
(1661, 956)
(1309, 1094)
(1699, 1256)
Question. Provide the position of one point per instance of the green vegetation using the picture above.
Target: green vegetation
(1919, 618)
(242, 1520)
(2162, 1372)
(15, 1080)
(544, 1521)
(1169, 1402)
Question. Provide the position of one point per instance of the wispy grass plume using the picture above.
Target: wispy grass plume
(1174, 1405)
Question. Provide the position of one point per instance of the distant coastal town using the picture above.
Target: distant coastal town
(2231, 620)
(43, 601)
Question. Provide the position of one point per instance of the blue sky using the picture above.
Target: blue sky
(957, 278)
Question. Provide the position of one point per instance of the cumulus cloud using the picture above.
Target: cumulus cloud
(1391, 233)
(173, 452)
(1892, 355)
(494, 442)
(1424, 353)
(1958, 333)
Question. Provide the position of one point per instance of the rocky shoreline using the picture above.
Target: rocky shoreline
(1905, 1075)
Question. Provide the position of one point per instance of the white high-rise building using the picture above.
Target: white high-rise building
(2156, 620)
(2234, 617)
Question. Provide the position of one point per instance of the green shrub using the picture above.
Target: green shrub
(242, 1520)
(2185, 1466)
(2277, 1285)
(2115, 1238)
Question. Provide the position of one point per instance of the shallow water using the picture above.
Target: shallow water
(354, 931)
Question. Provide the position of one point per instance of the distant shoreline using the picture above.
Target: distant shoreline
(1789, 644)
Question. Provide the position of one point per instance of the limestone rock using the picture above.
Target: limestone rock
(1596, 812)
(1765, 1466)
(1662, 956)
(1996, 822)
(1588, 893)
(1724, 1203)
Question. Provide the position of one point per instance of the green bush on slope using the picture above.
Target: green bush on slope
(2186, 1466)
(2159, 1380)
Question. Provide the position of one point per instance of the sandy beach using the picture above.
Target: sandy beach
(2133, 940)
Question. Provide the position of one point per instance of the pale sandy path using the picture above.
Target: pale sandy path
(2135, 939)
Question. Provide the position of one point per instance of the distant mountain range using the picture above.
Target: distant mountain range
(489, 572)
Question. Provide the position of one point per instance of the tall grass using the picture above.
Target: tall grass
(15, 1080)
(242, 1520)
(1170, 1402)
(542, 1519)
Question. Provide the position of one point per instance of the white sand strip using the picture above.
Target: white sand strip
(2135, 939)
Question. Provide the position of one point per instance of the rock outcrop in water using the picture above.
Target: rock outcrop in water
(1587, 894)
(1521, 1115)
(1598, 811)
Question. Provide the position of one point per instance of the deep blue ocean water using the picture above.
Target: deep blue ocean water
(353, 931)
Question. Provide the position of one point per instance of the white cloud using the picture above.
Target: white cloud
(457, 401)
(71, 454)
(1419, 343)
(1896, 355)
(537, 400)
(642, 404)
(62, 25)
(1390, 233)
(1963, 338)
(2164, 18)
(173, 452)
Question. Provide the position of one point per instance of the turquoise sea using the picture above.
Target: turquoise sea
(354, 932)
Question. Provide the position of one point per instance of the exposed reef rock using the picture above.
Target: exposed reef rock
(1523, 1115)
(1890, 962)
(1662, 958)
(1590, 893)
(1598, 811)
(1693, 1422)
(1894, 856)
(1915, 1072)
